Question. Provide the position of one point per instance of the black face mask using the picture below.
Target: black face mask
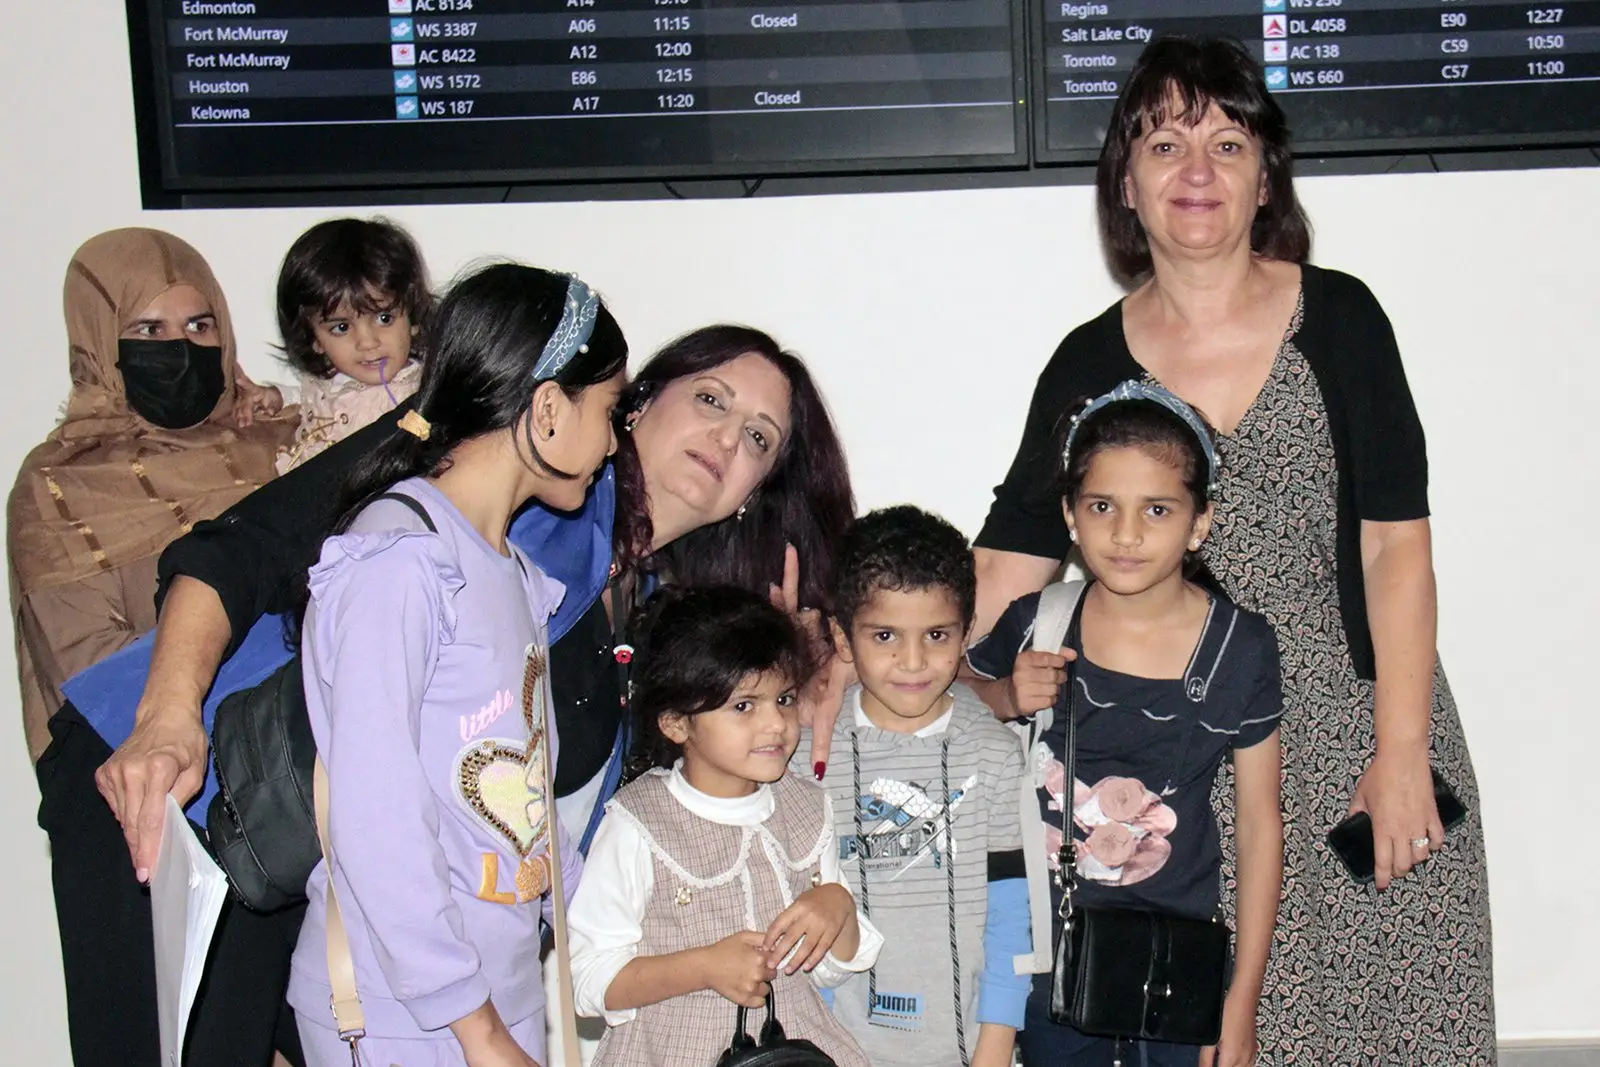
(171, 384)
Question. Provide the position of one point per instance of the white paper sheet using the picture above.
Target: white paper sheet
(186, 895)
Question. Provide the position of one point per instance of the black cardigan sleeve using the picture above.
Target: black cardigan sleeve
(1026, 513)
(1388, 452)
(253, 553)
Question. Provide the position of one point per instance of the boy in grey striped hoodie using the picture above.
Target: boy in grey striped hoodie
(925, 786)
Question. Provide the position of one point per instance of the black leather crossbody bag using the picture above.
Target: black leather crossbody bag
(262, 823)
(1136, 974)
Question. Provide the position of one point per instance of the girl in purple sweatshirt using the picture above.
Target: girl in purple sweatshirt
(424, 650)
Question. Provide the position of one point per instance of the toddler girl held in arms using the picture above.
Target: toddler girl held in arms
(352, 296)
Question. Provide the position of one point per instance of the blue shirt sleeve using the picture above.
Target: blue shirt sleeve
(1002, 993)
(994, 654)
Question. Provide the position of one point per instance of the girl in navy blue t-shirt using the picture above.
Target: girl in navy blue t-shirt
(1170, 678)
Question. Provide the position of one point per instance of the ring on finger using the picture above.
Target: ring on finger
(1420, 842)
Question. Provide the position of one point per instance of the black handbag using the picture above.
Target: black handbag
(773, 1049)
(262, 822)
(1134, 974)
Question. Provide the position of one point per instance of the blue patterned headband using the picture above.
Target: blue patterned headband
(1135, 390)
(571, 334)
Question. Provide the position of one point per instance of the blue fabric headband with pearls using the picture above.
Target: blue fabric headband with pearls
(571, 334)
(1136, 390)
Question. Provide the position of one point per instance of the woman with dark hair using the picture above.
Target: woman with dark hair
(688, 386)
(1321, 525)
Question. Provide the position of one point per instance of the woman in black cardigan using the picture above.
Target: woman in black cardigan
(1322, 526)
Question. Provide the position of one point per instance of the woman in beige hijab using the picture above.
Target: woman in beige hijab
(160, 431)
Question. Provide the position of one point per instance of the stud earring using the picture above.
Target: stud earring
(1194, 546)
(739, 515)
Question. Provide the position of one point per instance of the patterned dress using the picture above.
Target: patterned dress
(1356, 977)
(710, 880)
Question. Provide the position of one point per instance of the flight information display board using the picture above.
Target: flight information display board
(1354, 75)
(298, 93)
(375, 95)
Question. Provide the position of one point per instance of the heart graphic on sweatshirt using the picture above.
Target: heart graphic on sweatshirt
(505, 787)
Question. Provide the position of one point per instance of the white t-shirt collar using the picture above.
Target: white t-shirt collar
(751, 810)
(933, 729)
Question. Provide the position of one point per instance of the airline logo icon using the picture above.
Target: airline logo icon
(1276, 51)
(1274, 26)
(400, 30)
(403, 7)
(405, 107)
(1277, 78)
(405, 81)
(1272, 5)
(403, 55)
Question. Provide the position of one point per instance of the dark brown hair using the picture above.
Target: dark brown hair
(695, 647)
(903, 549)
(1153, 429)
(484, 342)
(805, 500)
(1141, 424)
(1195, 73)
(372, 263)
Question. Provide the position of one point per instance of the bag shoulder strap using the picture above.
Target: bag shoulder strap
(346, 1002)
(414, 504)
(1066, 860)
(1058, 602)
(558, 899)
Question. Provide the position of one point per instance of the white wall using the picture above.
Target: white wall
(927, 317)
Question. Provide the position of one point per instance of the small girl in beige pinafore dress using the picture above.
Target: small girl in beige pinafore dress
(714, 878)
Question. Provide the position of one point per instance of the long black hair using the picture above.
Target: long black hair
(694, 647)
(1151, 428)
(483, 342)
(805, 500)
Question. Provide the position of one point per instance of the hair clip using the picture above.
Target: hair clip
(414, 424)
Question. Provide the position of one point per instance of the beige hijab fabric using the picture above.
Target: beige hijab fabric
(106, 490)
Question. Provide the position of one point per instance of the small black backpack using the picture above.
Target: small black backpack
(262, 824)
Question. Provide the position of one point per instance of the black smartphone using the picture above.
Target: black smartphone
(1351, 840)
